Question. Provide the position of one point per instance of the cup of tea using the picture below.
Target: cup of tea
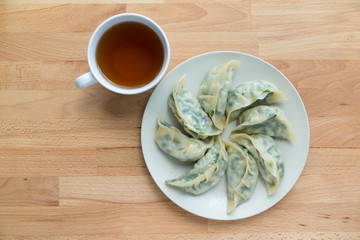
(127, 54)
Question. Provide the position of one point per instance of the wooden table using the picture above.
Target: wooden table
(71, 165)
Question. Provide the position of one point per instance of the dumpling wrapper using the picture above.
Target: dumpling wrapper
(267, 156)
(206, 173)
(242, 174)
(251, 94)
(267, 120)
(214, 90)
(189, 112)
(172, 141)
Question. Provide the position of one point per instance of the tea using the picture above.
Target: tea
(130, 54)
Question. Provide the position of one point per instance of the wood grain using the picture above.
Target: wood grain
(29, 191)
(199, 17)
(30, 18)
(310, 74)
(340, 132)
(69, 133)
(71, 165)
(113, 189)
(47, 161)
(40, 75)
(312, 217)
(182, 236)
(122, 161)
(10, 2)
(85, 219)
(308, 29)
(44, 46)
(95, 102)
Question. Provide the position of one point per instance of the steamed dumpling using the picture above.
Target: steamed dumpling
(267, 156)
(268, 120)
(189, 112)
(206, 173)
(242, 174)
(251, 94)
(175, 143)
(214, 90)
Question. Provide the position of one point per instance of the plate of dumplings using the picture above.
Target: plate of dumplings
(225, 135)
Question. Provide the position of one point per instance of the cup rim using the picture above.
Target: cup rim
(91, 53)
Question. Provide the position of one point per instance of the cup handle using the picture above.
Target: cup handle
(85, 80)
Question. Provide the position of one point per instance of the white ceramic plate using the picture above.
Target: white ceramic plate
(213, 204)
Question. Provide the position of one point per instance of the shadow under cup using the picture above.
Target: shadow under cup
(128, 53)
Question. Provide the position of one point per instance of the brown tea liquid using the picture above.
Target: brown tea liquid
(130, 54)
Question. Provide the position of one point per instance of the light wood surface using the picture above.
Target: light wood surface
(71, 165)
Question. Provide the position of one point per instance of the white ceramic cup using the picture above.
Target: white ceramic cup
(95, 75)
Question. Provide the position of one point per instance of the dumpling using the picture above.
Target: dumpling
(266, 120)
(206, 172)
(189, 112)
(267, 156)
(242, 174)
(251, 94)
(214, 90)
(175, 143)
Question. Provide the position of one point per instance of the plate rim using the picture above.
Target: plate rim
(307, 140)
